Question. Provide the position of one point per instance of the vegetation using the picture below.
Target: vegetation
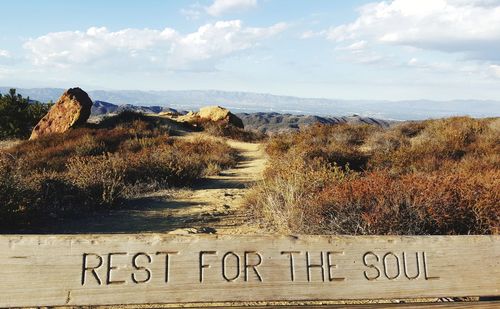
(431, 177)
(222, 129)
(19, 115)
(97, 166)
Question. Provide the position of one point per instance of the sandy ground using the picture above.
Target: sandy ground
(213, 205)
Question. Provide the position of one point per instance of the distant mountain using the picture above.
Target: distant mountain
(104, 108)
(276, 122)
(262, 122)
(248, 102)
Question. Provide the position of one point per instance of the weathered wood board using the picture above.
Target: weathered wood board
(55, 270)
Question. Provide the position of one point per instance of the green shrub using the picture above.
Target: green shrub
(19, 115)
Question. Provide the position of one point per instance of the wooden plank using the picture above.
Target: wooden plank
(368, 305)
(52, 270)
(421, 305)
(444, 305)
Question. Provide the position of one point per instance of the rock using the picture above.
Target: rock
(190, 231)
(72, 109)
(220, 114)
(190, 117)
(185, 231)
(208, 113)
(207, 230)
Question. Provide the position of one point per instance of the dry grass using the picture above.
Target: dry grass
(431, 177)
(96, 167)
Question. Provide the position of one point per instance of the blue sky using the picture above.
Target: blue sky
(401, 49)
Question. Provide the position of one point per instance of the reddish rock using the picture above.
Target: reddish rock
(72, 109)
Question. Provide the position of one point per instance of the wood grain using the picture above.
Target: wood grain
(53, 270)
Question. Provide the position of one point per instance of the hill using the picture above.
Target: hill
(262, 122)
(248, 102)
(276, 122)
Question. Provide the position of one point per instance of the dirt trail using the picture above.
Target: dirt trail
(213, 205)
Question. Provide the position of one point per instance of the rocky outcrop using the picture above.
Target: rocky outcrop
(210, 113)
(220, 114)
(72, 109)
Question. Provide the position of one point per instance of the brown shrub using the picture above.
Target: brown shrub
(290, 183)
(336, 144)
(431, 177)
(221, 129)
(95, 167)
(102, 177)
(443, 140)
(417, 203)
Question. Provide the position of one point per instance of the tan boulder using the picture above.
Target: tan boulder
(72, 109)
(190, 117)
(219, 114)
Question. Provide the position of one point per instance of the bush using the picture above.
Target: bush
(415, 204)
(430, 177)
(19, 115)
(221, 129)
(97, 166)
(101, 177)
(290, 184)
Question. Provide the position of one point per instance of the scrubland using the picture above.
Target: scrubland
(97, 166)
(221, 129)
(415, 178)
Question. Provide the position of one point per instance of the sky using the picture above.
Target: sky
(383, 50)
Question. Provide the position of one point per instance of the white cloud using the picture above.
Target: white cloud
(213, 41)
(141, 48)
(311, 34)
(193, 12)
(413, 62)
(470, 27)
(355, 47)
(4, 53)
(495, 70)
(221, 7)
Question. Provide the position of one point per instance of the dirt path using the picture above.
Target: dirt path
(212, 206)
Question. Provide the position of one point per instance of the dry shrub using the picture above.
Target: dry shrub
(444, 140)
(290, 183)
(95, 167)
(222, 129)
(414, 204)
(430, 177)
(336, 144)
(102, 177)
(11, 193)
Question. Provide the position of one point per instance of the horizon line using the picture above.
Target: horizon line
(264, 93)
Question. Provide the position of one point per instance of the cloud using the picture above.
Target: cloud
(469, 27)
(4, 53)
(495, 70)
(221, 7)
(147, 48)
(355, 47)
(214, 41)
(193, 12)
(312, 34)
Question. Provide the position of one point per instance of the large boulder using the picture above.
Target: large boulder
(72, 109)
(220, 114)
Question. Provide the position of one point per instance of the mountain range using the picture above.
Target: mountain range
(249, 102)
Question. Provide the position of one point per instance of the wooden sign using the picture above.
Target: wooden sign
(56, 270)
